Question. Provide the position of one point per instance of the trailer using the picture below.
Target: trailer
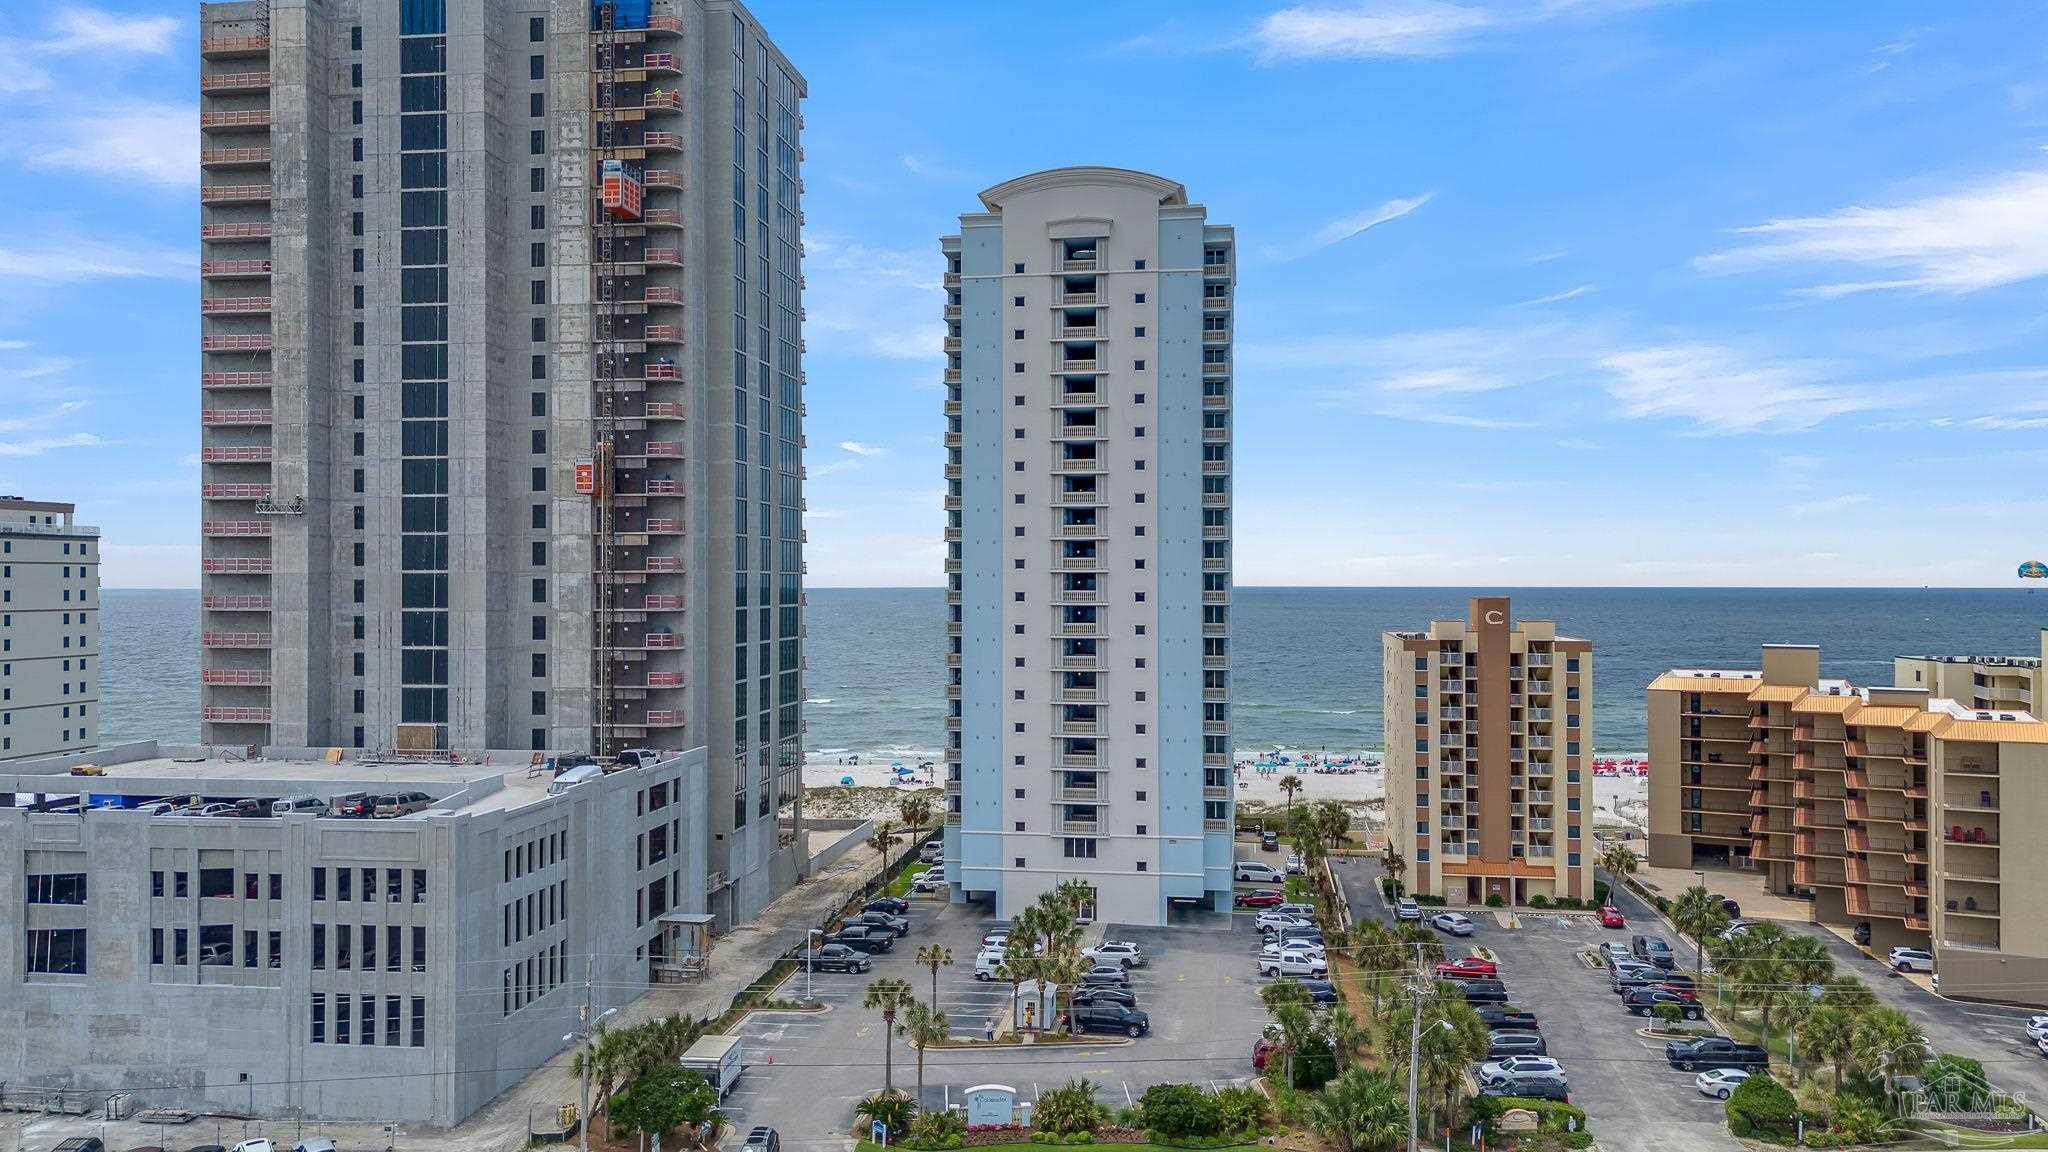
(719, 1059)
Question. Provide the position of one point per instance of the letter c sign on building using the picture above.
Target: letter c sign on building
(1495, 616)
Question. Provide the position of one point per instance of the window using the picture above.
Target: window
(57, 950)
(537, 179)
(536, 67)
(536, 141)
(419, 1022)
(156, 883)
(57, 888)
(341, 1003)
(318, 1030)
(344, 884)
(216, 882)
(536, 104)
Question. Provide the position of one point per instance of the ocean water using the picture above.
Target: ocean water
(1305, 661)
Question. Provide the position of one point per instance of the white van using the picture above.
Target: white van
(311, 805)
(573, 777)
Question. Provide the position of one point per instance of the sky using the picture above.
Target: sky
(1549, 292)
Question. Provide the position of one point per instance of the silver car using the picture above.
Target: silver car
(1454, 923)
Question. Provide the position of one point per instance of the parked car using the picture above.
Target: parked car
(986, 962)
(864, 939)
(1305, 911)
(2037, 1027)
(1680, 984)
(1910, 960)
(1294, 962)
(157, 808)
(1320, 991)
(1303, 933)
(1272, 949)
(1720, 1083)
(1530, 1087)
(1465, 967)
(1611, 917)
(1501, 1045)
(930, 880)
(762, 1138)
(837, 958)
(401, 804)
(1107, 974)
(1520, 1066)
(1627, 980)
(1258, 872)
(1262, 1050)
(1501, 1018)
(1454, 923)
(1714, 1052)
(309, 805)
(1116, 952)
(1644, 1001)
(1266, 899)
(1653, 950)
(932, 852)
(215, 809)
(1407, 909)
(893, 905)
(81, 1144)
(900, 925)
(1273, 919)
(314, 1144)
(1095, 1017)
(1269, 841)
(1481, 990)
(1736, 928)
(352, 804)
(1733, 909)
(252, 808)
(1296, 866)
(1105, 994)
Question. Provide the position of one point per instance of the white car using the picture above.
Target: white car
(1454, 923)
(1910, 960)
(929, 880)
(1407, 909)
(1720, 1083)
(1293, 962)
(1116, 952)
(1295, 865)
(2037, 1028)
(1276, 949)
(986, 962)
(1273, 921)
(1520, 1066)
(1258, 872)
(2041, 1045)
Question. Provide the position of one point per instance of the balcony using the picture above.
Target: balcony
(1088, 365)
(664, 487)
(662, 141)
(238, 342)
(234, 194)
(664, 718)
(234, 491)
(664, 564)
(664, 410)
(663, 603)
(235, 640)
(226, 47)
(235, 603)
(664, 177)
(1862, 902)
(232, 121)
(235, 82)
(1957, 835)
(235, 677)
(662, 218)
(664, 257)
(234, 306)
(664, 449)
(236, 566)
(1077, 793)
(664, 679)
(227, 528)
(247, 230)
(217, 158)
(234, 270)
(664, 101)
(235, 715)
(234, 417)
(1064, 727)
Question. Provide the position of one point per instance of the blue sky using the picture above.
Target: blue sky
(1558, 292)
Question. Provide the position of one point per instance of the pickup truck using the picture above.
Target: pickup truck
(1714, 1052)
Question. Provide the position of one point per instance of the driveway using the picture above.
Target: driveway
(1634, 1101)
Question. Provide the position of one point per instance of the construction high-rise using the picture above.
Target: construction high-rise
(502, 368)
(1489, 741)
(1088, 387)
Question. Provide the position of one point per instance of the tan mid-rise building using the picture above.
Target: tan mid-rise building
(49, 630)
(1989, 683)
(1500, 803)
(1886, 807)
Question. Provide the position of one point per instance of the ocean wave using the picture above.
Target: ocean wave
(818, 701)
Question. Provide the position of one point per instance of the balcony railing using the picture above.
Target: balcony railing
(664, 177)
(234, 46)
(235, 640)
(663, 603)
(664, 679)
(669, 141)
(246, 230)
(235, 604)
(233, 269)
(249, 454)
(236, 565)
(245, 677)
(225, 417)
(235, 715)
(234, 528)
(235, 82)
(233, 193)
(233, 157)
(245, 118)
(238, 342)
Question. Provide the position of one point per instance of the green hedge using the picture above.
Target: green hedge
(1552, 1116)
(1760, 1108)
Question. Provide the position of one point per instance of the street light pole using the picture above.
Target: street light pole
(810, 959)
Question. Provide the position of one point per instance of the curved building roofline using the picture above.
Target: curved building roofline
(1168, 191)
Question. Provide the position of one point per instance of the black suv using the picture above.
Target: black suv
(1111, 1018)
(1644, 1001)
(1714, 1052)
(893, 905)
(1482, 991)
(1529, 1088)
(1501, 1045)
(1105, 994)
(1653, 950)
(866, 940)
(838, 958)
(1501, 1018)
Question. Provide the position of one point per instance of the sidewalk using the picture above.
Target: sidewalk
(737, 960)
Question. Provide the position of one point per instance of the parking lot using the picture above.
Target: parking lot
(1634, 1100)
(807, 1070)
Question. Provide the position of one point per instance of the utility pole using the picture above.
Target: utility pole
(1414, 1044)
(583, 1018)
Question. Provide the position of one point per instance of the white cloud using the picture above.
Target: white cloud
(1363, 31)
(12, 345)
(1830, 505)
(57, 260)
(39, 420)
(41, 368)
(1721, 392)
(1985, 236)
(38, 446)
(859, 449)
(872, 301)
(1558, 297)
(1344, 228)
(75, 30)
(147, 141)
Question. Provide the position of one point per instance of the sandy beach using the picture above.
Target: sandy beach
(1359, 780)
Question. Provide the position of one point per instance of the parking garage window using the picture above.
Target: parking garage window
(216, 882)
(59, 951)
(57, 888)
(217, 944)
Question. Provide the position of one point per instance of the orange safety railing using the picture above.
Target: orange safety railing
(234, 156)
(234, 379)
(662, 488)
(243, 676)
(663, 372)
(220, 44)
(246, 118)
(664, 333)
(235, 639)
(664, 603)
(234, 82)
(661, 140)
(664, 717)
(234, 528)
(664, 524)
(235, 491)
(230, 193)
(664, 564)
(664, 410)
(663, 640)
(662, 216)
(236, 715)
(249, 230)
(233, 305)
(663, 178)
(663, 296)
(215, 417)
(234, 267)
(664, 679)
(664, 448)
(235, 603)
(249, 454)
(239, 342)
(664, 256)
(247, 565)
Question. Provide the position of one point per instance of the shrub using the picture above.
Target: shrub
(1600, 891)
(1313, 1067)
(1181, 1110)
(1761, 1109)
(1552, 1116)
(1068, 1109)
(1429, 901)
(1241, 1110)
(1495, 901)
(1669, 1014)
(1663, 906)
(1579, 1139)
(1539, 901)
(936, 1130)
(1958, 1082)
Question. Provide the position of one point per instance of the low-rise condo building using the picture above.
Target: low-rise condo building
(1887, 807)
(1501, 802)
(1988, 683)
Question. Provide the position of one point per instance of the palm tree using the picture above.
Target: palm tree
(1424, 946)
(1620, 861)
(923, 1026)
(1377, 956)
(915, 810)
(1361, 1111)
(1698, 914)
(1345, 1032)
(1394, 864)
(879, 841)
(602, 1057)
(891, 1109)
(1849, 994)
(1888, 1042)
(1447, 1052)
(1290, 784)
(935, 957)
(887, 996)
(1297, 1028)
(1829, 1034)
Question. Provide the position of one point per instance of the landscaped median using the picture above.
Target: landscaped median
(1167, 1116)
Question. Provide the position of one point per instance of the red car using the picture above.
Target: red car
(1681, 986)
(1611, 917)
(1466, 968)
(1265, 899)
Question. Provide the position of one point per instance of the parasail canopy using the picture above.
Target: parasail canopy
(2034, 570)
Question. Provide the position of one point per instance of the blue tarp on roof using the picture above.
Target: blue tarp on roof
(625, 13)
